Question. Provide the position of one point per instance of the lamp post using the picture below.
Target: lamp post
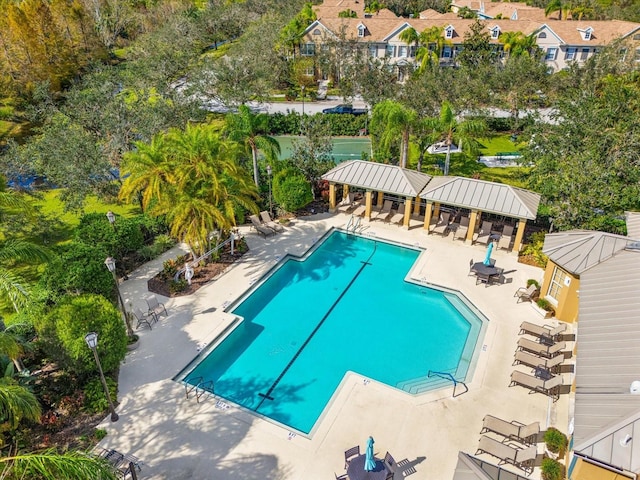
(92, 343)
(111, 266)
(302, 89)
(112, 218)
(270, 202)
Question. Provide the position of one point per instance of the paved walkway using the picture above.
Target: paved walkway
(177, 438)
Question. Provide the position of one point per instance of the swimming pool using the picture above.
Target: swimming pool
(344, 307)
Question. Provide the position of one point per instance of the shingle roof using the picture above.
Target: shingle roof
(378, 176)
(604, 32)
(576, 251)
(484, 196)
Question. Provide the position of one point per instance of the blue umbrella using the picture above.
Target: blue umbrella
(369, 461)
(487, 259)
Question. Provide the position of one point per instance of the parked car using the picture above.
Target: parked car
(345, 109)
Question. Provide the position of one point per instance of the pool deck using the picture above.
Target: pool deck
(178, 438)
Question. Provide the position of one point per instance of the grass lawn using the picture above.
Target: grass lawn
(494, 145)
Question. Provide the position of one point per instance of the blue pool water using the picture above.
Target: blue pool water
(345, 307)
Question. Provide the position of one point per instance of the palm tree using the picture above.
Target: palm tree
(516, 44)
(251, 129)
(50, 465)
(448, 130)
(431, 42)
(409, 36)
(195, 180)
(391, 120)
(556, 6)
(13, 287)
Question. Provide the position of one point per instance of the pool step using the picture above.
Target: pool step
(461, 307)
(423, 384)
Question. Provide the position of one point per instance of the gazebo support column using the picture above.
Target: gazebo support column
(472, 225)
(332, 197)
(427, 215)
(436, 210)
(517, 243)
(345, 191)
(416, 207)
(380, 200)
(367, 211)
(407, 212)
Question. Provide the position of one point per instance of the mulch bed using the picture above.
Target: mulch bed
(202, 275)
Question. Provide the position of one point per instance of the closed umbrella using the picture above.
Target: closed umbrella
(487, 259)
(369, 461)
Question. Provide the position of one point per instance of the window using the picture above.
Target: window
(557, 282)
(570, 53)
(316, 31)
(403, 51)
(542, 35)
(636, 36)
(447, 52)
(495, 33)
(584, 54)
(551, 53)
(448, 33)
(587, 34)
(373, 51)
(637, 55)
(308, 49)
(390, 51)
(361, 30)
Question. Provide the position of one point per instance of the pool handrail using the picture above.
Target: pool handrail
(448, 376)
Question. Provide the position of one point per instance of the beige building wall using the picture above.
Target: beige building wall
(561, 289)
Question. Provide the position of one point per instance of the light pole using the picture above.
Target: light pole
(302, 88)
(270, 203)
(92, 343)
(112, 218)
(111, 265)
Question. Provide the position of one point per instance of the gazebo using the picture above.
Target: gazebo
(378, 177)
(478, 196)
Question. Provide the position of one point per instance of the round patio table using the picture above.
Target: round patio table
(356, 471)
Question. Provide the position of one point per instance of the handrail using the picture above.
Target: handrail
(200, 387)
(195, 261)
(448, 376)
(189, 387)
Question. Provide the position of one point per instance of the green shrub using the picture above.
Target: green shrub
(556, 441)
(178, 286)
(533, 281)
(95, 400)
(62, 332)
(291, 190)
(534, 249)
(552, 469)
(289, 124)
(163, 242)
(78, 268)
(544, 304)
(100, 433)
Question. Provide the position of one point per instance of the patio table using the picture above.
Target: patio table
(543, 373)
(356, 471)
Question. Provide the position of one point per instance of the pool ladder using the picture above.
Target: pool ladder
(200, 387)
(448, 376)
(353, 224)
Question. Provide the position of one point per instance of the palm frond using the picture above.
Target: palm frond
(50, 465)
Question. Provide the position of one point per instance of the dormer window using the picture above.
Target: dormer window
(586, 33)
(361, 30)
(448, 32)
(495, 32)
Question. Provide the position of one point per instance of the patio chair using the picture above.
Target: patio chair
(548, 351)
(268, 222)
(549, 387)
(542, 330)
(143, 318)
(385, 212)
(506, 238)
(344, 476)
(526, 293)
(390, 462)
(398, 217)
(525, 358)
(485, 233)
(463, 228)
(471, 272)
(347, 204)
(442, 226)
(515, 455)
(511, 430)
(359, 211)
(260, 228)
(350, 454)
(155, 307)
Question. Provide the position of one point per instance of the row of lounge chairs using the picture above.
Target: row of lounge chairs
(544, 354)
(386, 213)
(443, 225)
(264, 225)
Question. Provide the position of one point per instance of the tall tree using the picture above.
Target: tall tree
(391, 121)
(447, 129)
(477, 49)
(432, 42)
(250, 129)
(553, 6)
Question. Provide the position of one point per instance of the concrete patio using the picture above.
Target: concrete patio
(178, 438)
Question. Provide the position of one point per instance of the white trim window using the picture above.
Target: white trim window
(390, 51)
(361, 30)
(448, 32)
(495, 33)
(587, 34)
(447, 52)
(570, 54)
(308, 49)
(551, 54)
(403, 51)
(558, 281)
(373, 51)
(584, 54)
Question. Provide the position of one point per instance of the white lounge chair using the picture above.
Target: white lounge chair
(463, 228)
(542, 330)
(526, 293)
(550, 387)
(267, 222)
(384, 213)
(512, 430)
(515, 455)
(443, 224)
(398, 217)
(485, 233)
(260, 228)
(534, 361)
(506, 238)
(347, 204)
(541, 349)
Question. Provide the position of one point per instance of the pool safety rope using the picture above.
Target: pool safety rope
(267, 396)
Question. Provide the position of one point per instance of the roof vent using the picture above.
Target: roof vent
(624, 442)
(635, 387)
